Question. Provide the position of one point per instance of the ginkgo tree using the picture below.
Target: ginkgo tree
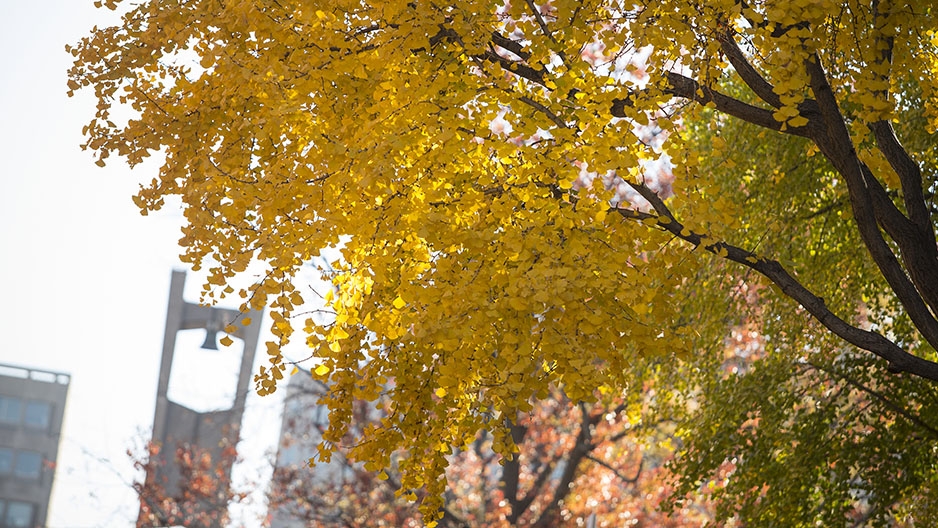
(823, 430)
(515, 188)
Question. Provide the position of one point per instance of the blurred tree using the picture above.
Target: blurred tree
(197, 497)
(574, 462)
(517, 190)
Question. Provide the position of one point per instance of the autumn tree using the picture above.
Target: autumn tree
(575, 463)
(340, 493)
(517, 190)
(197, 496)
(826, 433)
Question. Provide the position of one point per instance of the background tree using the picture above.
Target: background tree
(603, 461)
(574, 463)
(826, 433)
(198, 498)
(488, 171)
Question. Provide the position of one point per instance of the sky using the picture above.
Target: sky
(86, 277)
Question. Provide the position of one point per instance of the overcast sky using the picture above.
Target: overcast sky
(85, 276)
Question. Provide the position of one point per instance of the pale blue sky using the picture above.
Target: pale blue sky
(85, 277)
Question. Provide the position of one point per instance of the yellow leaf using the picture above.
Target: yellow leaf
(399, 303)
(441, 392)
(226, 341)
(321, 370)
(798, 121)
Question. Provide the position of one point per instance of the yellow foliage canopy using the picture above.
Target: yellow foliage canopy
(465, 156)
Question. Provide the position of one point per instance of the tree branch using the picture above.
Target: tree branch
(899, 360)
(686, 88)
(580, 450)
(909, 172)
(616, 472)
(753, 79)
(511, 45)
(917, 246)
(889, 404)
(511, 472)
(532, 493)
(544, 110)
(518, 68)
(871, 205)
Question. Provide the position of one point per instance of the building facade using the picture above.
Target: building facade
(295, 497)
(32, 405)
(304, 419)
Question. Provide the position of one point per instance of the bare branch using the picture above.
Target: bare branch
(616, 472)
(878, 396)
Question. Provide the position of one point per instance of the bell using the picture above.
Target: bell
(210, 339)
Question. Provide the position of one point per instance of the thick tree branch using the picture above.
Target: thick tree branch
(532, 493)
(915, 236)
(757, 83)
(580, 450)
(686, 88)
(869, 203)
(511, 45)
(518, 68)
(753, 79)
(909, 172)
(899, 359)
(511, 472)
(917, 246)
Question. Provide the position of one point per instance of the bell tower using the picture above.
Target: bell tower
(186, 441)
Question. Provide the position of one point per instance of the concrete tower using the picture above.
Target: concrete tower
(177, 429)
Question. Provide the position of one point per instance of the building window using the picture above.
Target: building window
(6, 463)
(18, 515)
(37, 414)
(28, 465)
(10, 410)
